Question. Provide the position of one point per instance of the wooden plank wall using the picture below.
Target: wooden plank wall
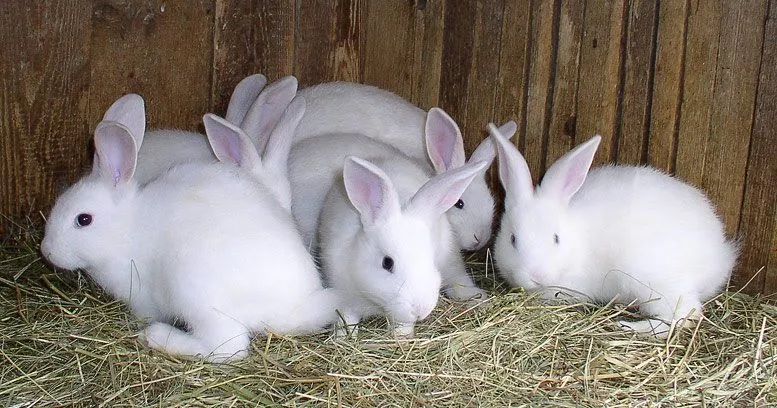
(688, 86)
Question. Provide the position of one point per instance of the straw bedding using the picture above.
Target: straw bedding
(64, 343)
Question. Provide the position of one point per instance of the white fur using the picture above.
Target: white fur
(399, 215)
(206, 244)
(345, 107)
(628, 233)
(253, 107)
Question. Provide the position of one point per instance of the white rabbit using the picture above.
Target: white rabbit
(345, 107)
(380, 238)
(253, 107)
(627, 233)
(203, 243)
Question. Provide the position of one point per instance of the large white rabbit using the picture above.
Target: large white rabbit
(319, 162)
(627, 233)
(346, 107)
(252, 106)
(381, 234)
(206, 244)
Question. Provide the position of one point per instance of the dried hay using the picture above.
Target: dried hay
(63, 343)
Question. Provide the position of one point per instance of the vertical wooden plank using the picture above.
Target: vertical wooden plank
(736, 80)
(458, 44)
(702, 37)
(667, 84)
(388, 45)
(511, 92)
(161, 50)
(250, 37)
(563, 114)
(327, 44)
(637, 86)
(427, 63)
(44, 78)
(758, 224)
(600, 63)
(539, 84)
(472, 41)
(513, 65)
(482, 84)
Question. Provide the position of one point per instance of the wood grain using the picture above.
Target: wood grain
(563, 113)
(511, 92)
(44, 67)
(600, 63)
(638, 82)
(703, 36)
(140, 46)
(327, 43)
(388, 45)
(427, 59)
(667, 84)
(736, 80)
(759, 209)
(539, 85)
(250, 37)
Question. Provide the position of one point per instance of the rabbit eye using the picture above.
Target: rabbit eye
(388, 264)
(83, 220)
(555, 238)
(512, 240)
(459, 204)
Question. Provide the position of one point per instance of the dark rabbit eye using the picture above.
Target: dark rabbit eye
(83, 219)
(512, 240)
(555, 238)
(388, 263)
(459, 204)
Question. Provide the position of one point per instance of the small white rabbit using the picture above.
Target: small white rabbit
(627, 233)
(346, 107)
(203, 243)
(380, 238)
(253, 107)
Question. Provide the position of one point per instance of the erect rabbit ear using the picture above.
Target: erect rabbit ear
(486, 151)
(513, 170)
(229, 143)
(444, 143)
(130, 112)
(276, 153)
(440, 193)
(268, 109)
(568, 173)
(370, 191)
(245, 93)
(115, 153)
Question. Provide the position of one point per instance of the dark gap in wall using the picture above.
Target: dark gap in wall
(681, 94)
(551, 85)
(651, 83)
(577, 75)
(617, 126)
(741, 226)
(521, 138)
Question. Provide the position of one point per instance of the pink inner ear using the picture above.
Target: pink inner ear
(444, 144)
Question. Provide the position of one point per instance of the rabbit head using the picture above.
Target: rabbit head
(539, 241)
(472, 214)
(92, 214)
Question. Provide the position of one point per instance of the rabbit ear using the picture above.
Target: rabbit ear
(440, 193)
(513, 170)
(115, 153)
(370, 191)
(245, 93)
(568, 173)
(229, 143)
(130, 112)
(444, 143)
(276, 153)
(268, 109)
(486, 151)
